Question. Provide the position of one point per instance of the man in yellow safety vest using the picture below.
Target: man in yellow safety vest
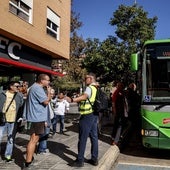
(87, 122)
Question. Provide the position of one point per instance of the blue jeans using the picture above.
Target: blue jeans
(8, 128)
(43, 141)
(60, 119)
(88, 128)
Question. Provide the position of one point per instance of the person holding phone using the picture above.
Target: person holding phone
(35, 112)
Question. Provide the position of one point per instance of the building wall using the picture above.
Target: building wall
(34, 35)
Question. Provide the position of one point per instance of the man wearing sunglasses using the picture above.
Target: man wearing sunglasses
(10, 102)
(87, 122)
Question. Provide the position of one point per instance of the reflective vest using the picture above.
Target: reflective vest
(85, 106)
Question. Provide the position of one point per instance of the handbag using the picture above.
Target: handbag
(2, 114)
(2, 119)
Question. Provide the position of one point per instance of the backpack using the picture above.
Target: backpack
(101, 102)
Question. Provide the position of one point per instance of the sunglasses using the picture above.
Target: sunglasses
(17, 86)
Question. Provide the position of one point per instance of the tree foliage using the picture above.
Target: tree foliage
(77, 44)
(110, 59)
(133, 25)
(72, 67)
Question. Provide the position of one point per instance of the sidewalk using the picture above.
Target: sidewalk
(63, 150)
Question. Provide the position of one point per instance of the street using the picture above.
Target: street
(135, 157)
(62, 148)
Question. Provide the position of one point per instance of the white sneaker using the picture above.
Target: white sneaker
(46, 152)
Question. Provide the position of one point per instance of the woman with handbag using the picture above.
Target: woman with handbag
(10, 102)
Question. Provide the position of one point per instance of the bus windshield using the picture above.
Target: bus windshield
(157, 73)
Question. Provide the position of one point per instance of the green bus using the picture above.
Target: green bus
(153, 69)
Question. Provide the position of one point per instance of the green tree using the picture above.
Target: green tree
(133, 25)
(77, 44)
(93, 56)
(72, 67)
(110, 59)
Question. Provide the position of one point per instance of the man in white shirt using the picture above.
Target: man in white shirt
(60, 107)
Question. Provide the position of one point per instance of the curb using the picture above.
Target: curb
(108, 159)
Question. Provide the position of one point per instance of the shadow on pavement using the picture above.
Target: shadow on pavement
(61, 150)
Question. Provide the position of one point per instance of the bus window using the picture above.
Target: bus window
(157, 77)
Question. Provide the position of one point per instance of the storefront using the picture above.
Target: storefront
(20, 60)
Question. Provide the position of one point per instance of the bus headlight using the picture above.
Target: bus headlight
(153, 133)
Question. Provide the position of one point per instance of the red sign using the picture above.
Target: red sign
(167, 120)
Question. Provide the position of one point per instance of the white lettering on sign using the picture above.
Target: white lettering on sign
(10, 50)
(4, 44)
(6, 41)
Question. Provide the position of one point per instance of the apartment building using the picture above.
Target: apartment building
(32, 33)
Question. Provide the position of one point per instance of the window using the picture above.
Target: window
(22, 8)
(53, 24)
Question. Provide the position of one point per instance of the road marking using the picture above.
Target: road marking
(141, 164)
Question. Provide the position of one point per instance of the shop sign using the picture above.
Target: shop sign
(8, 46)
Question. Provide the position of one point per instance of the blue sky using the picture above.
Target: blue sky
(96, 14)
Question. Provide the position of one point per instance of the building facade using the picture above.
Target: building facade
(32, 34)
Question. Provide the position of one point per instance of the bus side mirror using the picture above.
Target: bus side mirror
(134, 62)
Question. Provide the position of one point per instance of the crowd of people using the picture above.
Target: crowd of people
(39, 107)
(42, 109)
